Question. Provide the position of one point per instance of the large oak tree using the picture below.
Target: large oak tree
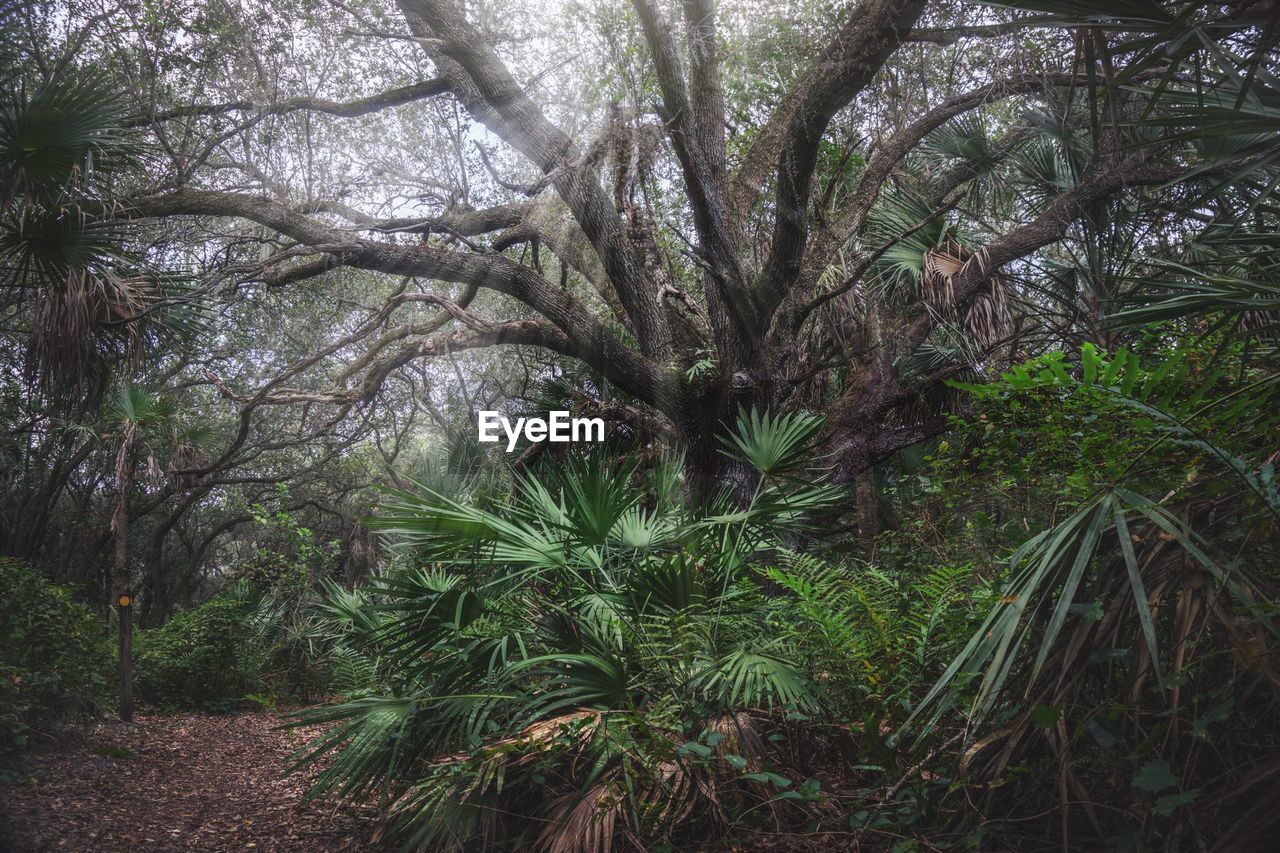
(758, 281)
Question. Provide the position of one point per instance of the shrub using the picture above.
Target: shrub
(53, 656)
(589, 660)
(207, 658)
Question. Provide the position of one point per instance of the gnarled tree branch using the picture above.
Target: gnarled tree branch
(344, 109)
(871, 35)
(509, 112)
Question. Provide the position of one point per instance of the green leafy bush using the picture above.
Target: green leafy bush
(53, 656)
(207, 658)
(1129, 500)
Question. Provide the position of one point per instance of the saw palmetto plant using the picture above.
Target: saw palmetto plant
(590, 661)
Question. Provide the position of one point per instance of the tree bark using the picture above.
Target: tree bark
(867, 512)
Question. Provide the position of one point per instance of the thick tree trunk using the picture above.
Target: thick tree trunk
(704, 419)
(868, 512)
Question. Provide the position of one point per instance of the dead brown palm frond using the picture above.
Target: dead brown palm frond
(186, 457)
(574, 823)
(669, 796)
(740, 737)
(62, 349)
(979, 763)
(582, 823)
(985, 318)
(80, 322)
(543, 733)
(524, 745)
(129, 297)
(155, 474)
(361, 553)
(940, 265)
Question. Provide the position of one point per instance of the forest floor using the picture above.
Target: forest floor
(175, 782)
(170, 782)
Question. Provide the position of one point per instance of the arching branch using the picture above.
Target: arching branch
(857, 204)
(344, 109)
(459, 221)
(946, 36)
(591, 339)
(512, 332)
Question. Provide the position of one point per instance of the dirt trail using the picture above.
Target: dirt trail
(175, 782)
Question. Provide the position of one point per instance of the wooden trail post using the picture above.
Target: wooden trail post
(124, 604)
